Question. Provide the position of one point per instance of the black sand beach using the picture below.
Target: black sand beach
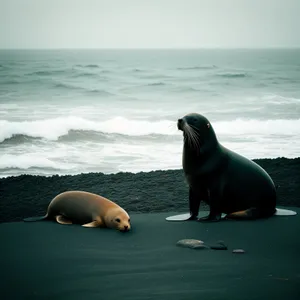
(45, 260)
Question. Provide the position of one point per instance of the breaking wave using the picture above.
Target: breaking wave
(56, 128)
(53, 129)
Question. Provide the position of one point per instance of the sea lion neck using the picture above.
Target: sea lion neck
(204, 162)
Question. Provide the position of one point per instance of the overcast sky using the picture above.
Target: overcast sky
(149, 23)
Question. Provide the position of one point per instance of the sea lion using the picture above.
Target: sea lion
(228, 182)
(87, 209)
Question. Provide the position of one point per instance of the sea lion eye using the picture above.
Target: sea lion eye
(118, 220)
(208, 125)
(128, 220)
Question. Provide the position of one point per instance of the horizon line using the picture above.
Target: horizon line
(157, 48)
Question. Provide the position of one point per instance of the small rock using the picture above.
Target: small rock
(191, 243)
(220, 245)
(239, 251)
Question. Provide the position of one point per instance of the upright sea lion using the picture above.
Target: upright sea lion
(87, 209)
(228, 182)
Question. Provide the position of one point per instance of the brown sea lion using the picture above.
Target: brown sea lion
(87, 209)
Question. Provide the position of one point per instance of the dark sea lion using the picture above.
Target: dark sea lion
(87, 209)
(228, 182)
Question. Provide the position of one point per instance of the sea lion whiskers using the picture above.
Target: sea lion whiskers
(192, 136)
(187, 135)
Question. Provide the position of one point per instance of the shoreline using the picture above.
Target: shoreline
(257, 160)
(143, 192)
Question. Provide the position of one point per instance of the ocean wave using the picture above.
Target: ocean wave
(156, 84)
(187, 89)
(232, 75)
(156, 76)
(53, 129)
(15, 80)
(99, 92)
(68, 86)
(197, 68)
(19, 139)
(46, 72)
(69, 72)
(280, 100)
(85, 74)
(72, 128)
(28, 161)
(89, 66)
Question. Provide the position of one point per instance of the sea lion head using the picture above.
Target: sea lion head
(118, 219)
(198, 132)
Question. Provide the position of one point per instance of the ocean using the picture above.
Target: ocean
(78, 111)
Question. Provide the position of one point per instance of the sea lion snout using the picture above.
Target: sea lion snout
(125, 228)
(180, 124)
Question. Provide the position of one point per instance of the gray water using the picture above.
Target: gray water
(74, 111)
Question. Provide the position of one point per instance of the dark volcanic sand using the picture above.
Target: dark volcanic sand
(158, 191)
(46, 260)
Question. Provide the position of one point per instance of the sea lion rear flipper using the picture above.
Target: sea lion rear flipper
(95, 223)
(248, 214)
(34, 219)
(63, 220)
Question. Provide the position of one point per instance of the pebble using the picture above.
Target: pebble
(241, 251)
(193, 244)
(218, 246)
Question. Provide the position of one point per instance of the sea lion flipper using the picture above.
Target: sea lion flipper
(63, 220)
(181, 217)
(95, 223)
(34, 219)
(248, 214)
(194, 203)
(212, 217)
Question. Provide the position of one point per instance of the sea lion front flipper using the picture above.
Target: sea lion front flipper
(95, 223)
(215, 217)
(180, 218)
(63, 220)
(248, 214)
(215, 213)
(194, 203)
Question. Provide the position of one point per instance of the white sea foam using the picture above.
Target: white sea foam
(258, 127)
(52, 129)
